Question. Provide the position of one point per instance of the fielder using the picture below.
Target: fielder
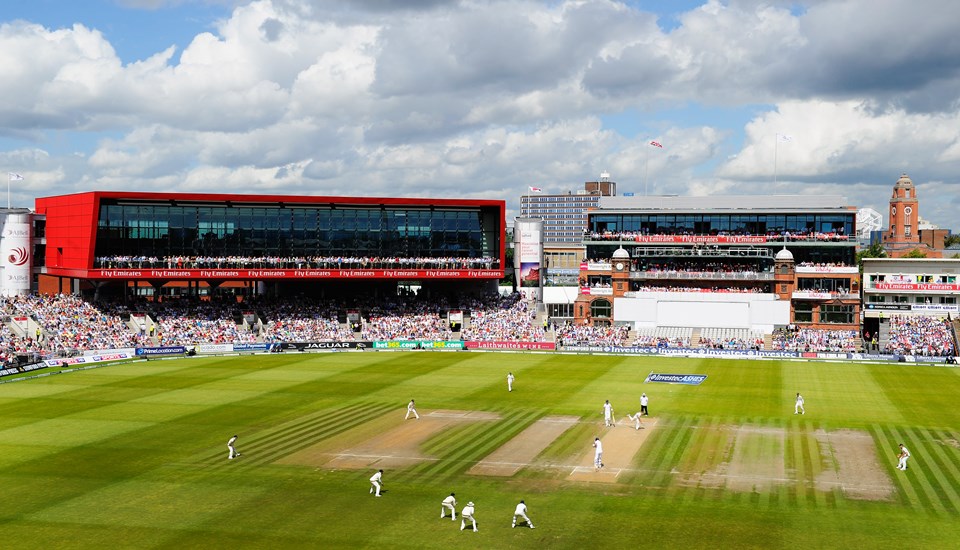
(608, 419)
(412, 409)
(377, 482)
(638, 425)
(597, 453)
(467, 514)
(521, 512)
(510, 381)
(451, 503)
(232, 451)
(798, 407)
(903, 456)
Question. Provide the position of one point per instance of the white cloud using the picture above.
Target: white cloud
(475, 98)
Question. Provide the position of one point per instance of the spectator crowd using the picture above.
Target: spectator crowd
(293, 262)
(920, 335)
(61, 325)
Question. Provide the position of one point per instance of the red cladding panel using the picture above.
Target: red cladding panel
(72, 219)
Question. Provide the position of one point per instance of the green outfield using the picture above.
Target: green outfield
(134, 455)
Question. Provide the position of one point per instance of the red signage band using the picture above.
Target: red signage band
(235, 274)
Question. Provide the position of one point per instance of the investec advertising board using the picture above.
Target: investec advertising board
(689, 379)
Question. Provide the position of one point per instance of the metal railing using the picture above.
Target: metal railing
(703, 275)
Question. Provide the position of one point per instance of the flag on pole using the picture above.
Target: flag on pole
(656, 144)
(784, 138)
(536, 190)
(14, 176)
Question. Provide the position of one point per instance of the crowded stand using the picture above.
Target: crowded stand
(663, 337)
(302, 320)
(508, 318)
(730, 338)
(570, 334)
(790, 236)
(60, 325)
(813, 340)
(293, 262)
(193, 321)
(12, 346)
(69, 324)
(679, 288)
(405, 320)
(823, 265)
(920, 335)
(709, 268)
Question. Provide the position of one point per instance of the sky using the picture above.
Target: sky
(483, 98)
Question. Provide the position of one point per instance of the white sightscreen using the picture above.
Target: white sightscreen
(703, 314)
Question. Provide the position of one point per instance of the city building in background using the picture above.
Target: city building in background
(564, 215)
(564, 219)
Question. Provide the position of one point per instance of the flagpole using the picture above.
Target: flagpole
(776, 146)
(646, 161)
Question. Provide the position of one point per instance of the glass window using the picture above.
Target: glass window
(836, 313)
(601, 309)
(803, 312)
(165, 230)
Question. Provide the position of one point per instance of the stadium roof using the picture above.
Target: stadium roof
(716, 203)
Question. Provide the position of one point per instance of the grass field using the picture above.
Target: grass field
(134, 455)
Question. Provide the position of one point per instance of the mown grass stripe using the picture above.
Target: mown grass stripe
(882, 440)
(943, 470)
(292, 442)
(328, 421)
(796, 495)
(483, 441)
(907, 489)
(922, 474)
(812, 467)
(317, 423)
(667, 450)
(705, 437)
(765, 497)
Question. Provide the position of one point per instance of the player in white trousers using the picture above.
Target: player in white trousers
(597, 453)
(451, 503)
(521, 512)
(376, 482)
(510, 378)
(608, 419)
(232, 452)
(798, 407)
(637, 424)
(467, 514)
(903, 456)
(412, 409)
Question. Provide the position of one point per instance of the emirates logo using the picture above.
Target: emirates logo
(19, 256)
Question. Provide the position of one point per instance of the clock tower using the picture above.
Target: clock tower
(904, 214)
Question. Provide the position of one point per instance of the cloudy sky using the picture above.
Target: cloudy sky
(482, 99)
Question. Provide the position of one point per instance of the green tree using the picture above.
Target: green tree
(916, 253)
(875, 250)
